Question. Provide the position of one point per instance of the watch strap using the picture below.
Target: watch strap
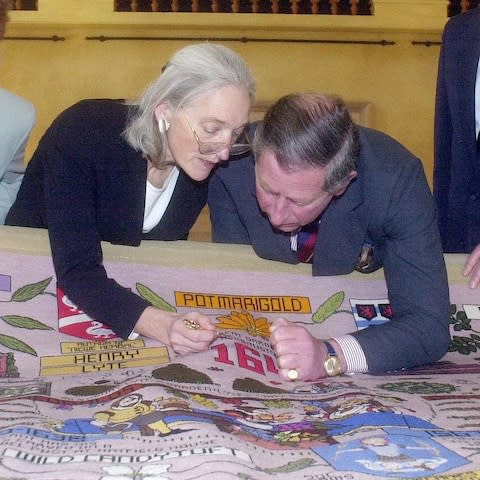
(330, 350)
(332, 363)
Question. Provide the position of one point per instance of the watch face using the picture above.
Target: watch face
(332, 366)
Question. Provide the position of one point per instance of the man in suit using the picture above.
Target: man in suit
(370, 198)
(456, 177)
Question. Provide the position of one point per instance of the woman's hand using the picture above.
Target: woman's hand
(185, 333)
(192, 332)
(297, 349)
(472, 267)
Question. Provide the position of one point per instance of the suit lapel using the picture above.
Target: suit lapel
(342, 233)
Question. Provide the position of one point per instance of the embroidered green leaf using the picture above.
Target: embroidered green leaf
(27, 292)
(150, 296)
(25, 322)
(15, 344)
(292, 466)
(329, 307)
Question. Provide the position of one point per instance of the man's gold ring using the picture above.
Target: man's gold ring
(292, 374)
(191, 324)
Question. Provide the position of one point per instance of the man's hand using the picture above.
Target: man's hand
(296, 349)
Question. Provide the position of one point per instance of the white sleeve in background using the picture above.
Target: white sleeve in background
(17, 118)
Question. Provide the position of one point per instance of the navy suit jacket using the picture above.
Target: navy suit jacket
(389, 205)
(86, 185)
(456, 176)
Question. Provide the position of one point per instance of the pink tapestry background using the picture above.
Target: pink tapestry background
(85, 405)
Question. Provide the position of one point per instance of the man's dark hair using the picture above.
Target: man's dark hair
(308, 130)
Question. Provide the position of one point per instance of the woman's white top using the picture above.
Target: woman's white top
(157, 200)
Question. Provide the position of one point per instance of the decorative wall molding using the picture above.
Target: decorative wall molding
(388, 15)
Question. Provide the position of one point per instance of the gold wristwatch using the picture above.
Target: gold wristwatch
(332, 363)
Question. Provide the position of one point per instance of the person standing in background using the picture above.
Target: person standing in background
(456, 174)
(17, 118)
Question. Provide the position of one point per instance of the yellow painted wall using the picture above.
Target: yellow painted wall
(398, 80)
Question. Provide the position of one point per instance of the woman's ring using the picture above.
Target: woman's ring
(191, 324)
(292, 374)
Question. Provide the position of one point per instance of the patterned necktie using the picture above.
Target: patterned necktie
(306, 240)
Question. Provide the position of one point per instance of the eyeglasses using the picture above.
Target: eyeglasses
(240, 145)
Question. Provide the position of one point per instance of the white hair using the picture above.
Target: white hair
(192, 71)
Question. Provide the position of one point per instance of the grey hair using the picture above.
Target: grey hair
(305, 130)
(192, 71)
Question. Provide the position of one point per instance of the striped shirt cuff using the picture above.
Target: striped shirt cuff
(353, 353)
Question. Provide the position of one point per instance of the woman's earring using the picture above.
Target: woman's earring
(163, 125)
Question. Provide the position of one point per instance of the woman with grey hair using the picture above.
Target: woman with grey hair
(107, 171)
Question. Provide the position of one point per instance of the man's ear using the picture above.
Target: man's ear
(345, 184)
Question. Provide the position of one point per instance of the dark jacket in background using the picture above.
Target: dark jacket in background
(456, 175)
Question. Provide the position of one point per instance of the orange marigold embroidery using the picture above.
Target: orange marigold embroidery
(245, 321)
